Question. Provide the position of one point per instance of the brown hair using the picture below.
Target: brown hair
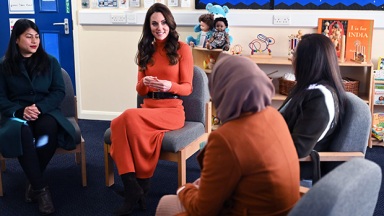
(207, 19)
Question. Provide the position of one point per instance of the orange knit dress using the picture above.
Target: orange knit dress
(137, 134)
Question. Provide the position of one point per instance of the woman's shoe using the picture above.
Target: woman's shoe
(44, 199)
(132, 194)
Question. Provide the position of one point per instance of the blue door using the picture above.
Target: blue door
(54, 19)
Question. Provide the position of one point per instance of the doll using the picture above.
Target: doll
(219, 38)
(205, 27)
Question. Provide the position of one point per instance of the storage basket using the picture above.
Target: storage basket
(351, 85)
(285, 86)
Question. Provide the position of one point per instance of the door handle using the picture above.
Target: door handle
(65, 24)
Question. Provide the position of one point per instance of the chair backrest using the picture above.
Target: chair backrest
(194, 104)
(350, 189)
(354, 134)
(68, 106)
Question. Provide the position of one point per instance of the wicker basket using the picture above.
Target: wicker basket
(285, 86)
(351, 85)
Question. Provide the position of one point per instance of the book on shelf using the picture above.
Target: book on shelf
(379, 94)
(378, 75)
(380, 63)
(378, 126)
(352, 37)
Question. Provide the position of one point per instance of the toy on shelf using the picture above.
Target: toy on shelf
(209, 62)
(217, 11)
(380, 63)
(260, 45)
(219, 38)
(359, 54)
(335, 31)
(293, 41)
(237, 49)
(205, 29)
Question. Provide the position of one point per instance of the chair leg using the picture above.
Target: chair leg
(83, 164)
(182, 168)
(2, 160)
(108, 164)
(1, 184)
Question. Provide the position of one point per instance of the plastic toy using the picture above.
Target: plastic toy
(359, 54)
(261, 44)
(237, 49)
(293, 41)
(219, 38)
(205, 31)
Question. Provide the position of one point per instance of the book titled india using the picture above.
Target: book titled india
(352, 37)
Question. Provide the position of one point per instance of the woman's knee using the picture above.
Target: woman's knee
(169, 205)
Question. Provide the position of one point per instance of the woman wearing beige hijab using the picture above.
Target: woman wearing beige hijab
(249, 165)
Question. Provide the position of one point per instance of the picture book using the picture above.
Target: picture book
(352, 37)
(380, 63)
(378, 74)
(379, 94)
(378, 126)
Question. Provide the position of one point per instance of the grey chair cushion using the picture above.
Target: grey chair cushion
(350, 189)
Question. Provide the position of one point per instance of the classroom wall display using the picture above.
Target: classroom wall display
(297, 4)
(243, 4)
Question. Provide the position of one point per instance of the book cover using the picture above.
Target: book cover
(379, 94)
(378, 126)
(352, 37)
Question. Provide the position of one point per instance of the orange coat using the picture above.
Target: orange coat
(249, 167)
(137, 134)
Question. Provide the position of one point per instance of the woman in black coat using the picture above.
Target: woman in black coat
(32, 126)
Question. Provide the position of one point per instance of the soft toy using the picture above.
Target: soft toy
(217, 11)
(220, 38)
(206, 27)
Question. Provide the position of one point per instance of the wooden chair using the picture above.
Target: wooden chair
(69, 109)
(350, 189)
(351, 141)
(178, 145)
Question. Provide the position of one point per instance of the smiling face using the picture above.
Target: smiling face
(28, 42)
(220, 26)
(159, 26)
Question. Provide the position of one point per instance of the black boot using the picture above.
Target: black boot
(145, 185)
(44, 199)
(132, 194)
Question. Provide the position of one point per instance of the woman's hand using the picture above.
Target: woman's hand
(31, 113)
(160, 85)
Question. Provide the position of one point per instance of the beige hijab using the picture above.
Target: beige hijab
(237, 85)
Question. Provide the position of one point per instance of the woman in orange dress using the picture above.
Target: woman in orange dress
(165, 73)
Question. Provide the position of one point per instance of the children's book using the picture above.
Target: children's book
(378, 126)
(354, 34)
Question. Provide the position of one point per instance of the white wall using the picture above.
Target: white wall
(104, 54)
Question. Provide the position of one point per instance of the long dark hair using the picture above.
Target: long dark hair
(38, 63)
(146, 47)
(315, 61)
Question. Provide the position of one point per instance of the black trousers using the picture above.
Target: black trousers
(39, 142)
